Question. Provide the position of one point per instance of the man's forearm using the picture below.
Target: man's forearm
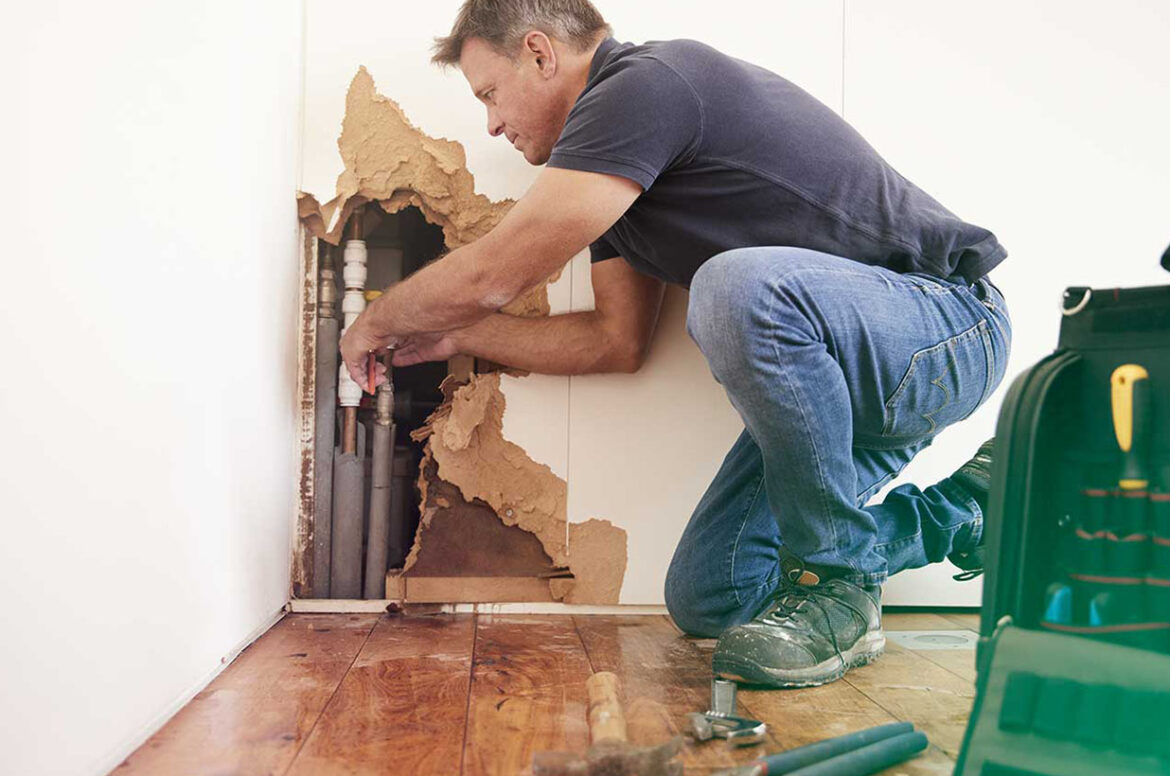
(443, 295)
(569, 344)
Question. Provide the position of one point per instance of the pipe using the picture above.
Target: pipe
(381, 477)
(326, 425)
(862, 753)
(400, 540)
(867, 760)
(352, 305)
(803, 756)
(348, 495)
(348, 480)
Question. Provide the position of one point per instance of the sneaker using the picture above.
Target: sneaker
(975, 478)
(811, 633)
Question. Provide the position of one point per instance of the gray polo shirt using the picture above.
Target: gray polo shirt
(730, 155)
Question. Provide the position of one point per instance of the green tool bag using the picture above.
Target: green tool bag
(1051, 704)
(1075, 629)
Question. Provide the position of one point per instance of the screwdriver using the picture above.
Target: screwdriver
(1131, 423)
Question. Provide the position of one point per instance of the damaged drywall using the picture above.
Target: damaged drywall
(390, 161)
(597, 560)
(467, 442)
(465, 439)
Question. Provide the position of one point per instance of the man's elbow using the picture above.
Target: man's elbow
(629, 359)
(486, 296)
(493, 289)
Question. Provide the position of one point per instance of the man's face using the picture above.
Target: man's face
(522, 97)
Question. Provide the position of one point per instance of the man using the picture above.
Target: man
(845, 312)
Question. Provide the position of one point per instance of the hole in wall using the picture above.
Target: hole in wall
(397, 245)
(390, 165)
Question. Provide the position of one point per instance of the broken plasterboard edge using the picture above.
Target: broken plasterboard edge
(468, 444)
(390, 161)
(465, 438)
(542, 429)
(597, 558)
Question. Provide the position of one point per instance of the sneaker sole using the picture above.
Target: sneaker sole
(867, 649)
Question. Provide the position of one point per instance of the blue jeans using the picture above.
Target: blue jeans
(842, 373)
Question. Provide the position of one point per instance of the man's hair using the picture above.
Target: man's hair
(504, 23)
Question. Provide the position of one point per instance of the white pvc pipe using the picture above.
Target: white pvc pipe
(349, 393)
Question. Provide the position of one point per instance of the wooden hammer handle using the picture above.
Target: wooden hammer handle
(606, 719)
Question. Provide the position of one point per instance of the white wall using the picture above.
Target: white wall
(147, 417)
(1043, 121)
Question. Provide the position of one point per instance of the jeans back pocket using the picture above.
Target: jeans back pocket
(944, 384)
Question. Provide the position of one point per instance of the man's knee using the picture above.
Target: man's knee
(698, 605)
(686, 609)
(715, 285)
(726, 305)
(733, 292)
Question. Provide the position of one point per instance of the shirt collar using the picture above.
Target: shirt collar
(603, 51)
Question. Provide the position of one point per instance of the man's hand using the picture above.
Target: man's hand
(357, 344)
(437, 346)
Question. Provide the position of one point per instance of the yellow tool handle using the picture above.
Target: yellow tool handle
(1130, 396)
(606, 719)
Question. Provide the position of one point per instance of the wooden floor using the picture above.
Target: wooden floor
(468, 694)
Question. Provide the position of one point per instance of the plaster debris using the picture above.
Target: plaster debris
(389, 160)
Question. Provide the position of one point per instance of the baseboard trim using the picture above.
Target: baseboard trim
(350, 606)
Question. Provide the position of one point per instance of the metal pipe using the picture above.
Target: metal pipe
(400, 541)
(348, 479)
(381, 484)
(326, 424)
(348, 496)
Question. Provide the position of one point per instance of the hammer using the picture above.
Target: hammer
(610, 752)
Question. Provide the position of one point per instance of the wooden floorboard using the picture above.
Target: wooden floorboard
(527, 693)
(664, 677)
(254, 717)
(402, 707)
(911, 687)
(968, 620)
(904, 621)
(450, 694)
(960, 662)
(807, 715)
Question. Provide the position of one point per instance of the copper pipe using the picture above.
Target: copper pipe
(356, 226)
(349, 431)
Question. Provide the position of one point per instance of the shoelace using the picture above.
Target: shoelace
(788, 598)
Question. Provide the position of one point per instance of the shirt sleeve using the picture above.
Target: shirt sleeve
(636, 122)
